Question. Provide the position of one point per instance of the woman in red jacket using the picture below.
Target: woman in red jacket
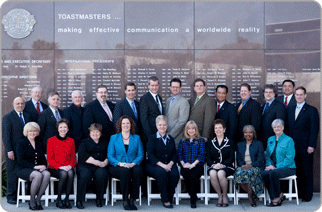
(62, 160)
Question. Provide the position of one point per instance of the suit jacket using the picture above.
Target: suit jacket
(290, 104)
(149, 110)
(47, 123)
(75, 117)
(249, 114)
(304, 130)
(124, 108)
(228, 114)
(203, 113)
(12, 130)
(95, 113)
(116, 151)
(177, 114)
(275, 111)
(30, 108)
(256, 152)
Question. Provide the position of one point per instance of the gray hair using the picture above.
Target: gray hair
(75, 92)
(276, 122)
(37, 86)
(161, 118)
(250, 127)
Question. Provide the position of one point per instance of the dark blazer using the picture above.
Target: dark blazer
(95, 113)
(47, 123)
(157, 151)
(290, 104)
(228, 114)
(249, 114)
(256, 152)
(88, 148)
(12, 130)
(149, 110)
(124, 108)
(30, 108)
(304, 130)
(75, 117)
(275, 111)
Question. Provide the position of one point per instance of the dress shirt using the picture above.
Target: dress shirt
(108, 108)
(244, 102)
(288, 98)
(159, 101)
(269, 104)
(21, 116)
(192, 151)
(221, 104)
(164, 139)
(54, 112)
(35, 104)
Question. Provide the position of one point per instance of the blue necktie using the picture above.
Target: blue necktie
(134, 110)
(265, 108)
(23, 123)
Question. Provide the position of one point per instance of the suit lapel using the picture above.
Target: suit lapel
(100, 108)
(269, 108)
(301, 112)
(129, 108)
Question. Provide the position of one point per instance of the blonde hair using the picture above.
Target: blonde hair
(31, 126)
(161, 118)
(193, 124)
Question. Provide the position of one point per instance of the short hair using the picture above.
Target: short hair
(189, 124)
(199, 80)
(176, 80)
(288, 80)
(119, 124)
(246, 85)
(153, 78)
(100, 86)
(161, 118)
(52, 94)
(75, 92)
(250, 127)
(63, 120)
(301, 88)
(31, 126)
(220, 121)
(37, 86)
(129, 84)
(270, 86)
(96, 126)
(222, 86)
(276, 122)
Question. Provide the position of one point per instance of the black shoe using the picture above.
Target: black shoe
(79, 205)
(133, 205)
(307, 198)
(193, 205)
(34, 208)
(67, 204)
(60, 204)
(39, 206)
(168, 206)
(99, 203)
(274, 204)
(12, 201)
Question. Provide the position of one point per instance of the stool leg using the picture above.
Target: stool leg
(140, 197)
(18, 193)
(290, 189)
(46, 196)
(297, 195)
(149, 190)
(23, 191)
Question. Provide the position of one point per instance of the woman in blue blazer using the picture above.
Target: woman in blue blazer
(125, 153)
(280, 154)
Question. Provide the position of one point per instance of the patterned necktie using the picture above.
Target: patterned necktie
(265, 107)
(38, 108)
(197, 99)
(285, 103)
(57, 116)
(240, 107)
(218, 108)
(134, 110)
(159, 106)
(297, 111)
(108, 112)
(21, 118)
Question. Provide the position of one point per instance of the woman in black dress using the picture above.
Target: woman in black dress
(32, 164)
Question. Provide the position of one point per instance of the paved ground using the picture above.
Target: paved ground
(244, 205)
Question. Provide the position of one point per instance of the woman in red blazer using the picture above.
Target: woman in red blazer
(62, 160)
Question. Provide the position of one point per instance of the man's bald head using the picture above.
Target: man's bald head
(18, 104)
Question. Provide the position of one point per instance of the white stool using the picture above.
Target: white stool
(150, 195)
(53, 196)
(290, 193)
(245, 195)
(117, 196)
(230, 194)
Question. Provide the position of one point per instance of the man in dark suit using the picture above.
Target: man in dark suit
(288, 99)
(74, 114)
(100, 111)
(12, 131)
(249, 112)
(303, 121)
(226, 111)
(48, 118)
(271, 110)
(151, 107)
(202, 109)
(34, 106)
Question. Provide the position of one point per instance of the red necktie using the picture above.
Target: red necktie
(38, 108)
(218, 108)
(285, 103)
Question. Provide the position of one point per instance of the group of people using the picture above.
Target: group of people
(132, 139)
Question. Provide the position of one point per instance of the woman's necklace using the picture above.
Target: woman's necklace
(125, 138)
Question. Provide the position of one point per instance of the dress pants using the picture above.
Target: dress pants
(84, 175)
(130, 180)
(12, 179)
(304, 173)
(191, 179)
(272, 182)
(167, 181)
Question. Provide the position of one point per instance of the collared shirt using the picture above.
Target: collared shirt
(199, 97)
(299, 107)
(192, 151)
(21, 116)
(129, 101)
(288, 98)
(54, 111)
(108, 108)
(35, 104)
(164, 139)
(221, 104)
(244, 102)
(269, 103)
(159, 100)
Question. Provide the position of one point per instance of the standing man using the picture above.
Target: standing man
(177, 111)
(288, 99)
(202, 109)
(226, 111)
(151, 107)
(12, 131)
(48, 118)
(74, 114)
(34, 106)
(249, 112)
(100, 111)
(271, 110)
(303, 121)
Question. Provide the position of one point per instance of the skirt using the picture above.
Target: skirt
(25, 173)
(229, 171)
(252, 176)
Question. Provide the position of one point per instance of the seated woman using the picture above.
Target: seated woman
(32, 164)
(62, 160)
(92, 163)
(220, 158)
(192, 153)
(125, 153)
(250, 162)
(161, 162)
(280, 154)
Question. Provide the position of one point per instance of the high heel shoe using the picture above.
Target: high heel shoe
(60, 204)
(33, 208)
(39, 207)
